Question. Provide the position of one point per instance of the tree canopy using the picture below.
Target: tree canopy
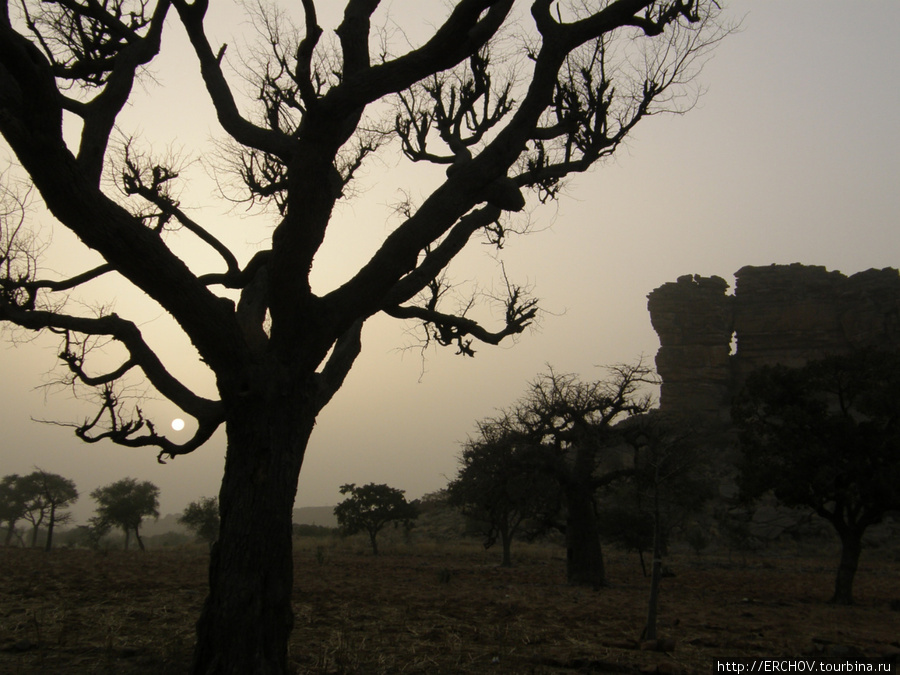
(125, 503)
(500, 486)
(370, 507)
(202, 517)
(48, 495)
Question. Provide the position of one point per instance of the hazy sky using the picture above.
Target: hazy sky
(792, 155)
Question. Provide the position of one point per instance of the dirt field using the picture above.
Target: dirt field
(445, 610)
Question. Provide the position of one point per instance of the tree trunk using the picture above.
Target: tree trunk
(851, 547)
(247, 618)
(655, 573)
(506, 544)
(584, 555)
(50, 525)
(372, 538)
(10, 531)
(137, 535)
(127, 536)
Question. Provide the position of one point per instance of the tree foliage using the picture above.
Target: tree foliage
(40, 498)
(48, 495)
(202, 518)
(125, 503)
(500, 486)
(370, 507)
(505, 133)
(826, 437)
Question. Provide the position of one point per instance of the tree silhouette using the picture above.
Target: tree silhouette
(125, 504)
(503, 129)
(202, 517)
(13, 502)
(568, 429)
(370, 507)
(46, 494)
(501, 486)
(826, 437)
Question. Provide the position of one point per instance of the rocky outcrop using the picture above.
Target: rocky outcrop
(789, 314)
(694, 320)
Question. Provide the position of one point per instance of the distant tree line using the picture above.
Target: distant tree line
(39, 498)
(42, 500)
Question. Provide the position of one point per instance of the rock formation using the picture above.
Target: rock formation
(785, 314)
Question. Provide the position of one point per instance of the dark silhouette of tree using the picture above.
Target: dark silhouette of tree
(500, 486)
(202, 518)
(13, 502)
(826, 437)
(502, 128)
(370, 507)
(125, 504)
(569, 426)
(46, 494)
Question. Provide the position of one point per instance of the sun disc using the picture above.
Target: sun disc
(178, 424)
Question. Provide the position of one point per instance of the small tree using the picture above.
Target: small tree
(500, 486)
(370, 507)
(12, 504)
(125, 504)
(667, 484)
(48, 494)
(826, 437)
(202, 518)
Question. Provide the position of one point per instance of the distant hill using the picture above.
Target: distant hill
(315, 515)
(166, 523)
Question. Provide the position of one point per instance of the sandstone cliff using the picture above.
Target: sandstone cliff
(790, 314)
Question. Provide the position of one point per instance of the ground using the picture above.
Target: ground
(446, 608)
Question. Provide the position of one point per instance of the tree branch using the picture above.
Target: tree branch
(271, 141)
(126, 333)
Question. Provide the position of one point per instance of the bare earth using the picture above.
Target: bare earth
(446, 609)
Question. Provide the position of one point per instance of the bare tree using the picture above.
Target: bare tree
(573, 423)
(670, 482)
(321, 109)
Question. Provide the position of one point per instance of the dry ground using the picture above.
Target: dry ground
(444, 609)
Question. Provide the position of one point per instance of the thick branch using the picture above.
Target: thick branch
(462, 34)
(271, 141)
(441, 255)
(100, 114)
(332, 376)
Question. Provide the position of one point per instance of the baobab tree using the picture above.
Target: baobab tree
(571, 428)
(509, 105)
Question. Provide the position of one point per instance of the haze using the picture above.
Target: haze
(792, 155)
